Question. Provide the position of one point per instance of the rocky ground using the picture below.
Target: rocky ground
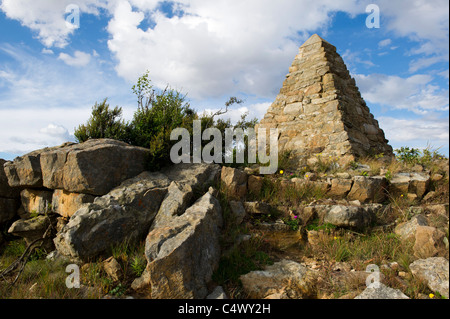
(373, 229)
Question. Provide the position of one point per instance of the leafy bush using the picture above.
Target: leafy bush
(408, 155)
(103, 123)
(159, 112)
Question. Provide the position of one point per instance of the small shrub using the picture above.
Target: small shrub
(138, 264)
(408, 155)
(103, 123)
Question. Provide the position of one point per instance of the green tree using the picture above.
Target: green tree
(158, 113)
(103, 123)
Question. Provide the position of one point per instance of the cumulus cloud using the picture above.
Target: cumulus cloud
(385, 42)
(47, 17)
(55, 130)
(47, 51)
(29, 134)
(41, 101)
(213, 47)
(420, 132)
(415, 93)
(78, 59)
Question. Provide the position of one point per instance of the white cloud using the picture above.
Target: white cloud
(444, 74)
(425, 20)
(47, 17)
(422, 63)
(418, 133)
(384, 43)
(42, 100)
(78, 59)
(55, 130)
(415, 93)
(47, 51)
(29, 134)
(215, 47)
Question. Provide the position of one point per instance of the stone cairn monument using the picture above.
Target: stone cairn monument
(319, 109)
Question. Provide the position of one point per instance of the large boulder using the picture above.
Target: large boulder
(429, 242)
(283, 280)
(66, 204)
(382, 292)
(33, 229)
(407, 230)
(25, 171)
(125, 213)
(234, 181)
(434, 272)
(368, 189)
(187, 180)
(9, 197)
(409, 183)
(6, 191)
(93, 167)
(183, 253)
(35, 201)
(351, 216)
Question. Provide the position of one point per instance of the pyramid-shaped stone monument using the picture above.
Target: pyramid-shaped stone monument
(319, 109)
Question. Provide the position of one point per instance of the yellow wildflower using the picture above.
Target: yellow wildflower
(431, 296)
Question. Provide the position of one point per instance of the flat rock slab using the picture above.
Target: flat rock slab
(434, 271)
(93, 167)
(382, 292)
(25, 171)
(126, 213)
(285, 279)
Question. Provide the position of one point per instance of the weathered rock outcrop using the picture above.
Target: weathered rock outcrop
(183, 254)
(35, 201)
(351, 216)
(6, 191)
(235, 181)
(25, 171)
(9, 197)
(35, 228)
(283, 280)
(434, 272)
(382, 292)
(126, 213)
(410, 183)
(187, 179)
(66, 204)
(94, 167)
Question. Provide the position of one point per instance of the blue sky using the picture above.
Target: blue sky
(51, 75)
